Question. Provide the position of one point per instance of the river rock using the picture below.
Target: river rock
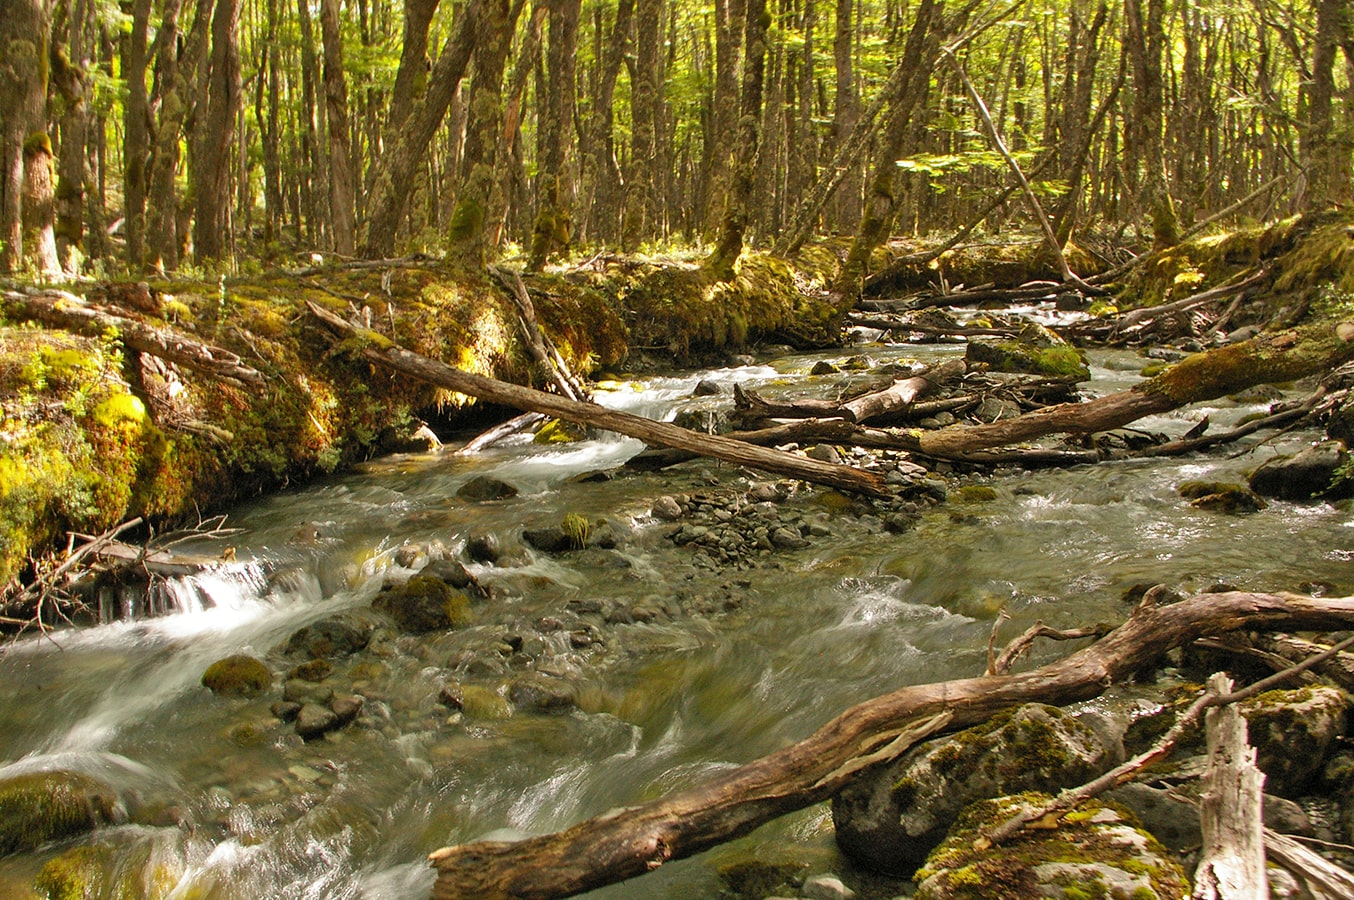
(340, 635)
(541, 693)
(481, 548)
(39, 807)
(667, 509)
(312, 670)
(1306, 476)
(707, 388)
(423, 604)
(1037, 351)
(240, 675)
(347, 707)
(313, 721)
(482, 488)
(890, 820)
(1292, 731)
(1098, 850)
(452, 572)
(826, 887)
(297, 690)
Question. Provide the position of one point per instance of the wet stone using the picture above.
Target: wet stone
(483, 488)
(313, 721)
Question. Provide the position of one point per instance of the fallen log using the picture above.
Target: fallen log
(64, 310)
(381, 350)
(626, 842)
(1264, 359)
(898, 397)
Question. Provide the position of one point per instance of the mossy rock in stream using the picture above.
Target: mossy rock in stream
(1222, 496)
(126, 864)
(240, 675)
(39, 807)
(423, 604)
(889, 819)
(1097, 851)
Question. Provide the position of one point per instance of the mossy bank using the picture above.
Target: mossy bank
(95, 434)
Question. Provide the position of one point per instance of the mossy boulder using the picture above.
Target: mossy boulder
(240, 675)
(126, 864)
(536, 692)
(1097, 851)
(1222, 496)
(1034, 353)
(423, 604)
(39, 807)
(889, 820)
(482, 488)
(1292, 732)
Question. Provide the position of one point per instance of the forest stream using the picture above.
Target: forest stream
(670, 662)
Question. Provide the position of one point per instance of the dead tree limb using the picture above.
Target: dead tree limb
(630, 841)
(64, 310)
(1322, 877)
(896, 398)
(381, 350)
(536, 340)
(1264, 359)
(1232, 860)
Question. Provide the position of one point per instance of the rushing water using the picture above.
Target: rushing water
(248, 810)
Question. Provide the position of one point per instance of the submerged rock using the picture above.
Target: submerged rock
(1222, 496)
(39, 807)
(889, 820)
(482, 488)
(240, 675)
(542, 693)
(1096, 850)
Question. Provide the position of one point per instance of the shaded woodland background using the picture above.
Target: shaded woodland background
(157, 134)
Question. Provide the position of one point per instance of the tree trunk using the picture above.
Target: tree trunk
(918, 58)
(738, 204)
(174, 77)
(553, 228)
(845, 119)
(406, 147)
(412, 75)
(1144, 41)
(342, 199)
(71, 58)
(381, 350)
(640, 195)
(23, 99)
(601, 175)
(136, 134)
(628, 842)
(1325, 147)
(212, 162)
(730, 21)
(468, 232)
(39, 207)
(314, 173)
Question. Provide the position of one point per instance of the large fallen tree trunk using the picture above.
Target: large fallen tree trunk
(630, 841)
(896, 398)
(380, 349)
(1265, 359)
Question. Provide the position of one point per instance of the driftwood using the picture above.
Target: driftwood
(1323, 878)
(64, 310)
(898, 323)
(538, 343)
(627, 842)
(1232, 859)
(1267, 358)
(896, 398)
(380, 350)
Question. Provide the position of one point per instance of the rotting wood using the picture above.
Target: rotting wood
(381, 350)
(898, 397)
(538, 343)
(1321, 877)
(66, 310)
(1232, 859)
(626, 842)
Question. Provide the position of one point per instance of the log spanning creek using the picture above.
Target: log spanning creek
(693, 620)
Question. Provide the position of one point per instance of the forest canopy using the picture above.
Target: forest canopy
(159, 134)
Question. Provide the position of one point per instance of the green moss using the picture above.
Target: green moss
(478, 702)
(577, 528)
(37, 807)
(975, 493)
(558, 431)
(240, 675)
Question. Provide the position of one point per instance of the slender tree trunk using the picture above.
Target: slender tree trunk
(730, 18)
(411, 77)
(39, 206)
(641, 197)
(919, 55)
(71, 58)
(738, 207)
(1325, 153)
(175, 74)
(405, 149)
(845, 117)
(468, 231)
(1144, 39)
(601, 177)
(507, 175)
(342, 200)
(136, 133)
(212, 163)
(314, 171)
(553, 228)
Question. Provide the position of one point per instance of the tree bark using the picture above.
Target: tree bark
(628, 842)
(1232, 859)
(136, 134)
(553, 229)
(342, 198)
(382, 351)
(212, 162)
(407, 146)
(641, 196)
(71, 57)
(39, 207)
(23, 98)
(412, 75)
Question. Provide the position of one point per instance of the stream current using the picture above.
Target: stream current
(751, 658)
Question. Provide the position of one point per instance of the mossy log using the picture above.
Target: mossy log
(380, 350)
(898, 397)
(1265, 359)
(626, 842)
(62, 310)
